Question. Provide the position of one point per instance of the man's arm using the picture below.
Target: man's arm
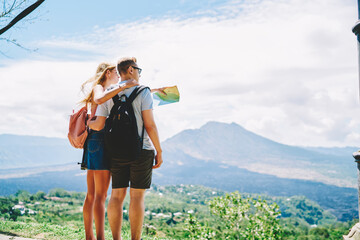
(98, 123)
(152, 131)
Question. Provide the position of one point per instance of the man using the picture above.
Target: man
(138, 172)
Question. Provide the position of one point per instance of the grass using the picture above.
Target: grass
(48, 231)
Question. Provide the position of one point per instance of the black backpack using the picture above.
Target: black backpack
(122, 140)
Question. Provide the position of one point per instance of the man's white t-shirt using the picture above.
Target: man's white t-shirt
(142, 102)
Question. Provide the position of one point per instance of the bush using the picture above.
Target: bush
(241, 218)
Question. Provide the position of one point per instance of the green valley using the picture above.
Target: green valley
(172, 212)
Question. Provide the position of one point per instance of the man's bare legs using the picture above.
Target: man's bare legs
(89, 206)
(115, 211)
(136, 212)
(102, 181)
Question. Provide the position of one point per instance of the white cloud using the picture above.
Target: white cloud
(286, 70)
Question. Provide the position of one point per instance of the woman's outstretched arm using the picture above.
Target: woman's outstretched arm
(101, 96)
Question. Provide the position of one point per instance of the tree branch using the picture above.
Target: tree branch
(13, 41)
(21, 15)
(13, 7)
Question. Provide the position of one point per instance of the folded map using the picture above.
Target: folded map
(166, 95)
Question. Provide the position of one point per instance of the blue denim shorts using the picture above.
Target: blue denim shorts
(94, 154)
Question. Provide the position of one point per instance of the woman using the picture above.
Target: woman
(98, 174)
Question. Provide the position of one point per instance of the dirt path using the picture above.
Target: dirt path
(5, 237)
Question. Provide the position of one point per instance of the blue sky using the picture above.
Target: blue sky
(66, 18)
(284, 69)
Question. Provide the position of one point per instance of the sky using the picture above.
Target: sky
(284, 69)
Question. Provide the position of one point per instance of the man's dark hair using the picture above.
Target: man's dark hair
(124, 63)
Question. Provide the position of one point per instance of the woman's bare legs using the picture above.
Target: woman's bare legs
(89, 206)
(102, 181)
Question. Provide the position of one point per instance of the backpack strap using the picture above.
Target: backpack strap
(131, 98)
(116, 99)
(136, 92)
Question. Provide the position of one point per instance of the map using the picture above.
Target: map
(166, 95)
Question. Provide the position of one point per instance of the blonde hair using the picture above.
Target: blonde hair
(98, 78)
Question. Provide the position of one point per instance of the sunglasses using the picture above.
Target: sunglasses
(139, 69)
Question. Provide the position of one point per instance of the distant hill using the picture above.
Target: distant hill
(342, 202)
(216, 142)
(224, 156)
(18, 151)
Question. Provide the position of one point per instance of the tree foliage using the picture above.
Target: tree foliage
(23, 195)
(241, 218)
(59, 192)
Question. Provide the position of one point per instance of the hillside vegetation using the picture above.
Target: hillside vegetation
(175, 212)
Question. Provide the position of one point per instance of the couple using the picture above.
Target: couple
(137, 172)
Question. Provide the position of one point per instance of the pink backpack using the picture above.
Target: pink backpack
(77, 128)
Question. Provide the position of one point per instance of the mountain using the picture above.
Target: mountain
(233, 145)
(217, 142)
(219, 155)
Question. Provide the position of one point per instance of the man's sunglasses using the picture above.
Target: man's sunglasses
(139, 69)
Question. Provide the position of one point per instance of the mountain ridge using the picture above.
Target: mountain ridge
(220, 155)
(219, 142)
(236, 146)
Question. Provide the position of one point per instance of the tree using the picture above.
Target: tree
(23, 195)
(12, 12)
(14, 214)
(39, 195)
(320, 231)
(59, 192)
